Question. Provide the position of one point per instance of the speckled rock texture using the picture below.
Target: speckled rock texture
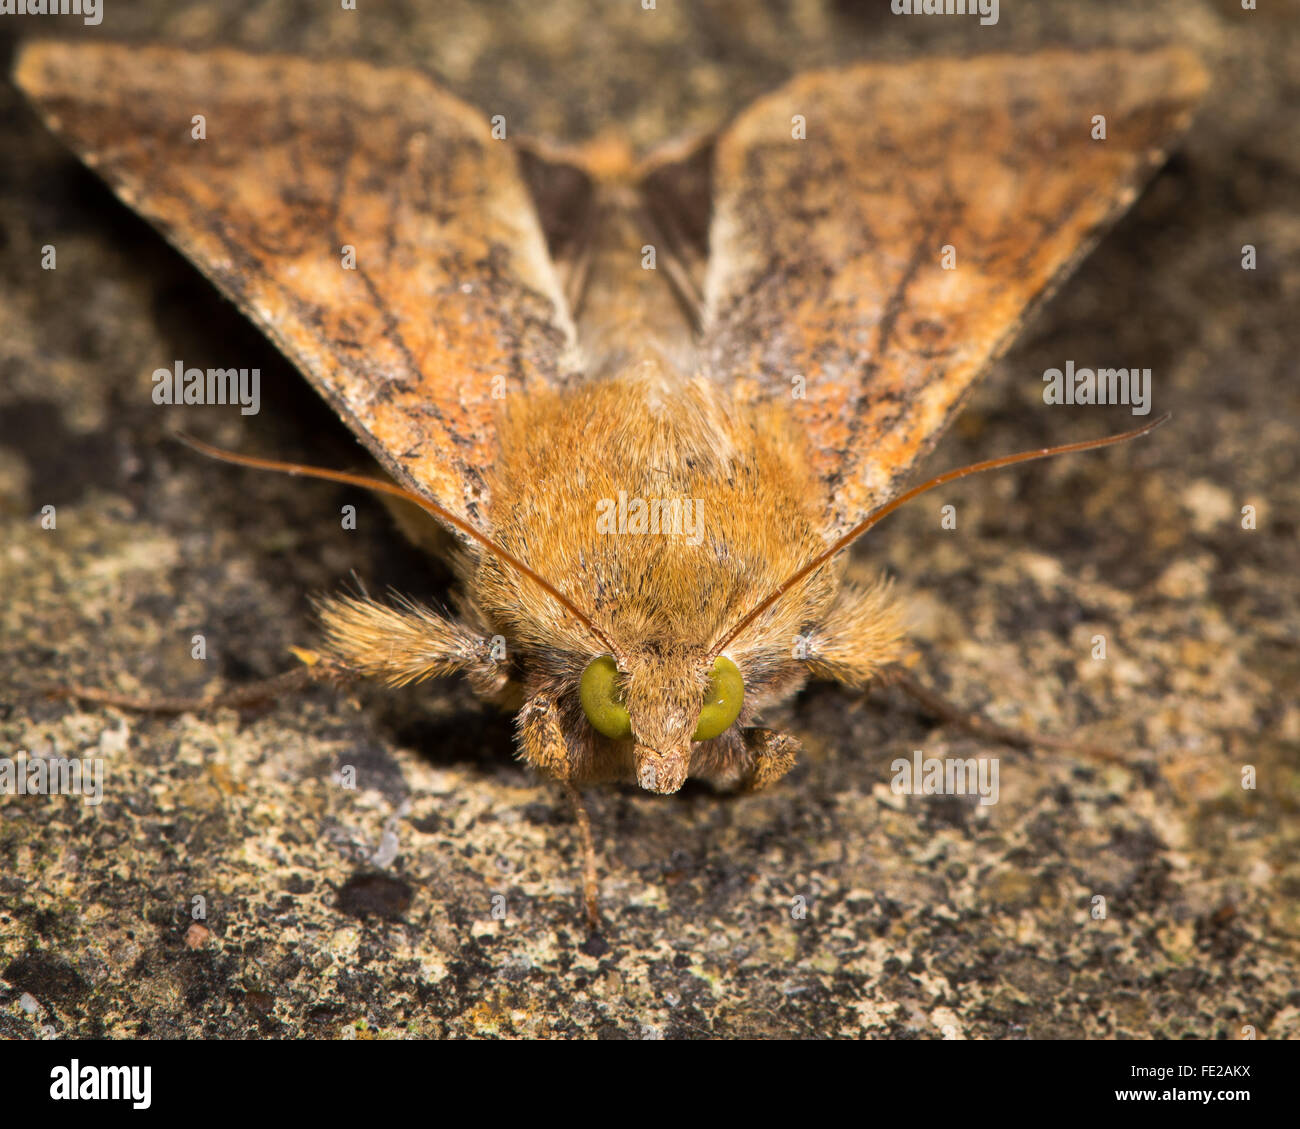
(369, 911)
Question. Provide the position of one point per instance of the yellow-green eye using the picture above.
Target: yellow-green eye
(602, 698)
(723, 701)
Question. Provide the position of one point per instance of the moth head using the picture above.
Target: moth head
(663, 701)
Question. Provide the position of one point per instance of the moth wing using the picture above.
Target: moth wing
(826, 286)
(452, 303)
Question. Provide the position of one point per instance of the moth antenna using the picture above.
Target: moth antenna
(939, 480)
(382, 487)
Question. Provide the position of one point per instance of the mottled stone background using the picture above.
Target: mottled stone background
(368, 912)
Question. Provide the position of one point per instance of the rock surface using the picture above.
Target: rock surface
(336, 912)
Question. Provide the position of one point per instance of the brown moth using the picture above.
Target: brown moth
(651, 475)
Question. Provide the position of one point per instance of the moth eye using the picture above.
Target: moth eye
(723, 701)
(602, 698)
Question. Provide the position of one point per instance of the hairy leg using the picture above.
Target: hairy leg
(861, 645)
(590, 881)
(542, 742)
(774, 754)
(363, 639)
(262, 692)
(977, 725)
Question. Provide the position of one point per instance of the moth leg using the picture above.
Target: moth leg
(404, 643)
(772, 755)
(541, 738)
(977, 725)
(860, 636)
(590, 881)
(258, 693)
(542, 742)
(363, 639)
(861, 643)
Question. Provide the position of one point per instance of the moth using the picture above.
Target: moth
(649, 476)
